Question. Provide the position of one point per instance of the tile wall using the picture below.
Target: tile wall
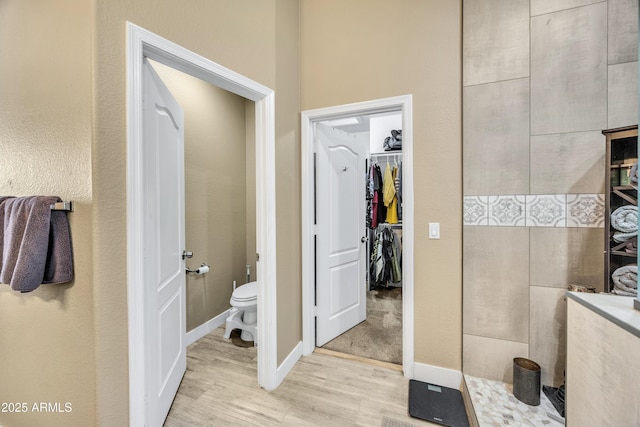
(542, 79)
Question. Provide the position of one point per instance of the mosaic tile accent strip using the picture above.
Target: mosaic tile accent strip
(535, 210)
(507, 210)
(547, 210)
(476, 210)
(496, 406)
(585, 210)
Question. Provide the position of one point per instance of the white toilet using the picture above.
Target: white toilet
(244, 312)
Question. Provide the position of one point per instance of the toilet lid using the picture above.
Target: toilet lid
(246, 292)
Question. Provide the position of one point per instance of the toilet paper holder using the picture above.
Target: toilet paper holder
(204, 268)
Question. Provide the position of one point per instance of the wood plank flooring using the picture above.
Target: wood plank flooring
(220, 389)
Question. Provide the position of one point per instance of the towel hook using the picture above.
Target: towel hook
(62, 206)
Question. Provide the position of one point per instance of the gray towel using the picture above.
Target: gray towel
(35, 243)
(625, 219)
(625, 280)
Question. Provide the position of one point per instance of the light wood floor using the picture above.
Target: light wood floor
(220, 389)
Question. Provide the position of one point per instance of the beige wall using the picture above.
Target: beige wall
(288, 177)
(74, 91)
(241, 36)
(46, 338)
(215, 191)
(362, 50)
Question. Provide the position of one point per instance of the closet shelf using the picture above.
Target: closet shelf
(627, 254)
(621, 150)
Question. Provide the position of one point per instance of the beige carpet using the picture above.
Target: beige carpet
(380, 336)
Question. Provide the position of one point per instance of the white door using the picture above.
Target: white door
(341, 232)
(165, 306)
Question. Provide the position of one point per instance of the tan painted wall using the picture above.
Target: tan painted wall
(215, 191)
(250, 193)
(46, 338)
(288, 178)
(257, 38)
(240, 35)
(368, 49)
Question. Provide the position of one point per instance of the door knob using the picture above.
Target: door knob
(187, 254)
(363, 239)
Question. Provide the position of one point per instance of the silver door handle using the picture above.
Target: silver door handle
(363, 239)
(187, 254)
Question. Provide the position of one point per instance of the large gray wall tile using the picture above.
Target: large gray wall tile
(562, 256)
(623, 94)
(569, 70)
(548, 323)
(495, 42)
(491, 358)
(568, 163)
(539, 7)
(496, 282)
(623, 31)
(496, 138)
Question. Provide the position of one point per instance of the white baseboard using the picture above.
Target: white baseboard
(288, 364)
(437, 375)
(208, 326)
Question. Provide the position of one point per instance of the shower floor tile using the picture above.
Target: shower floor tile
(495, 405)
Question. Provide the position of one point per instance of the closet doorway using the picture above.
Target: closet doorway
(339, 283)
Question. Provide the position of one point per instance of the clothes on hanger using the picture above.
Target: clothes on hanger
(398, 187)
(384, 194)
(376, 211)
(390, 197)
(385, 261)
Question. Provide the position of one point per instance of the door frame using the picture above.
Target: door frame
(402, 104)
(143, 43)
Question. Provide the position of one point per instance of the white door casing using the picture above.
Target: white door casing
(142, 43)
(340, 231)
(309, 119)
(164, 231)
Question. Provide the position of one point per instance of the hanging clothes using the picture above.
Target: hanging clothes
(370, 194)
(385, 262)
(378, 211)
(398, 186)
(392, 209)
(389, 196)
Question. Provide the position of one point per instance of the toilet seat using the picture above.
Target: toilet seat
(245, 293)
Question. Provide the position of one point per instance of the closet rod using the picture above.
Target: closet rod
(387, 153)
(62, 206)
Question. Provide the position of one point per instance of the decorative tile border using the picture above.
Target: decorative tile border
(476, 210)
(507, 211)
(535, 210)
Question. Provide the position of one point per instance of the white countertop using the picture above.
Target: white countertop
(618, 309)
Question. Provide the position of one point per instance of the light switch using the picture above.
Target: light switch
(434, 230)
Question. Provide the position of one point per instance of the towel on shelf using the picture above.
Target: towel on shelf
(620, 237)
(625, 280)
(35, 243)
(625, 219)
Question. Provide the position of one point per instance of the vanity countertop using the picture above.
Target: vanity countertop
(618, 309)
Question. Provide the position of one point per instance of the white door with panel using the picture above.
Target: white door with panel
(165, 306)
(341, 258)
